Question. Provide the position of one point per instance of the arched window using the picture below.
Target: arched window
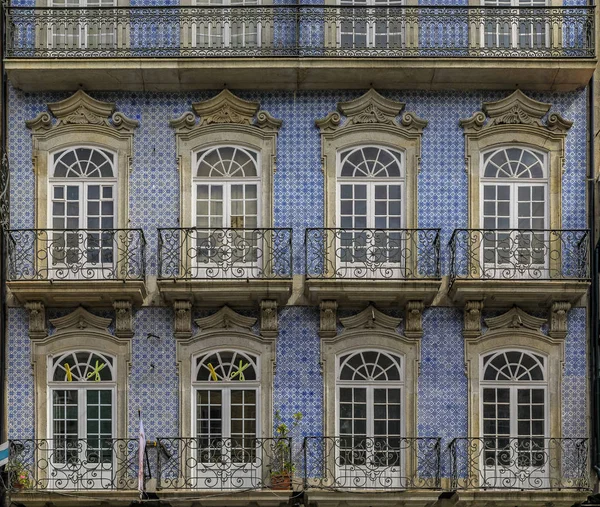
(371, 190)
(225, 422)
(514, 210)
(81, 390)
(227, 190)
(83, 187)
(370, 404)
(514, 417)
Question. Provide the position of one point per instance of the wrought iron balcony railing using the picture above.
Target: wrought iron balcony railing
(387, 463)
(76, 254)
(300, 31)
(205, 254)
(383, 254)
(73, 464)
(519, 254)
(221, 463)
(524, 463)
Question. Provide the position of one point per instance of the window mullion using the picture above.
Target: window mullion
(82, 413)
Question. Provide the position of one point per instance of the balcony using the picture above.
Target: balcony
(531, 268)
(384, 266)
(522, 464)
(88, 266)
(179, 48)
(330, 470)
(225, 266)
(106, 470)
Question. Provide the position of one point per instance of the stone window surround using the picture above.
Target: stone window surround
(80, 330)
(505, 339)
(221, 339)
(83, 121)
(226, 120)
(371, 119)
(515, 120)
(378, 339)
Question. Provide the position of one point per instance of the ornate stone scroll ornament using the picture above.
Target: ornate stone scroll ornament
(81, 109)
(183, 318)
(472, 319)
(372, 109)
(328, 319)
(226, 108)
(413, 323)
(516, 109)
(370, 318)
(80, 320)
(37, 320)
(269, 325)
(123, 319)
(515, 318)
(370, 119)
(558, 319)
(226, 318)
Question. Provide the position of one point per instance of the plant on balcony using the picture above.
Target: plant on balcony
(19, 475)
(282, 466)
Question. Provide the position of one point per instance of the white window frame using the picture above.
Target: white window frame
(498, 476)
(393, 476)
(248, 473)
(227, 30)
(371, 33)
(493, 270)
(91, 270)
(513, 30)
(81, 29)
(391, 269)
(212, 269)
(60, 475)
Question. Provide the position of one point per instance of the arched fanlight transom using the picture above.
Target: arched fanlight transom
(226, 366)
(514, 162)
(84, 162)
(83, 366)
(371, 162)
(513, 366)
(226, 162)
(370, 365)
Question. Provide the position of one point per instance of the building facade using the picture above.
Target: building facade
(225, 215)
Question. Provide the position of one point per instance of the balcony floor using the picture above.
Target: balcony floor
(183, 74)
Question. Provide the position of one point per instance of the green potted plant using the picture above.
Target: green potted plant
(19, 475)
(282, 466)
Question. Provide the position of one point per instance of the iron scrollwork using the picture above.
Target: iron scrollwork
(76, 254)
(225, 253)
(523, 463)
(300, 30)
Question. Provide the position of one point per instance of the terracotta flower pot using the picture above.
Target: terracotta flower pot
(282, 481)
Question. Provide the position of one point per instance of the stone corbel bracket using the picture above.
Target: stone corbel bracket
(558, 319)
(123, 319)
(183, 318)
(328, 319)
(37, 320)
(413, 319)
(269, 324)
(472, 319)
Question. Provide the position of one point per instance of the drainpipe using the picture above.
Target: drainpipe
(593, 313)
(3, 244)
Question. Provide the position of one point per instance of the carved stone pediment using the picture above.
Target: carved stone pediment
(225, 318)
(226, 108)
(370, 108)
(80, 320)
(516, 109)
(370, 318)
(515, 318)
(81, 109)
